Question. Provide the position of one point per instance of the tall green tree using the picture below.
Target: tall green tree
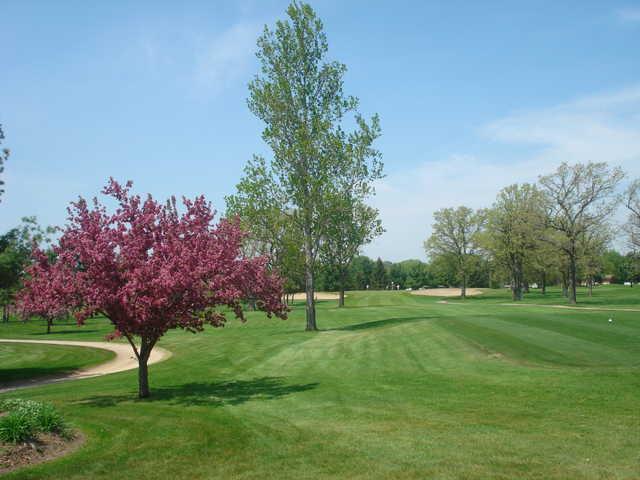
(351, 225)
(513, 231)
(593, 246)
(299, 96)
(271, 231)
(379, 276)
(455, 236)
(415, 274)
(4, 156)
(362, 268)
(15, 255)
(580, 200)
(545, 261)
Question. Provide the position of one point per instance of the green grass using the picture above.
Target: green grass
(24, 361)
(614, 296)
(394, 386)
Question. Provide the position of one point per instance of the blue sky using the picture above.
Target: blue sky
(472, 96)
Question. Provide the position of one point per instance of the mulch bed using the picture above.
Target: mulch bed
(42, 448)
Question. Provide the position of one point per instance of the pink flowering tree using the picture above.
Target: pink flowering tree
(48, 292)
(149, 268)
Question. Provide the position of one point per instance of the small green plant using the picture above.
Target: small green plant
(26, 417)
(48, 419)
(16, 427)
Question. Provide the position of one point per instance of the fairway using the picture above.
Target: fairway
(394, 386)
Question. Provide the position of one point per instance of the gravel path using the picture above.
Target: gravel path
(125, 359)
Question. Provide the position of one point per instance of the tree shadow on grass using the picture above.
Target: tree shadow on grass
(10, 377)
(216, 394)
(384, 323)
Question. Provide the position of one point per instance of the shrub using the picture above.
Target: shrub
(16, 427)
(26, 417)
(49, 420)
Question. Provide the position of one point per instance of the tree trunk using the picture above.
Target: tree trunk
(5, 313)
(463, 289)
(143, 378)
(565, 286)
(309, 284)
(590, 283)
(49, 322)
(516, 282)
(543, 281)
(572, 280)
(146, 346)
(143, 354)
(342, 282)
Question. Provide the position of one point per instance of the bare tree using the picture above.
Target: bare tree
(633, 224)
(580, 199)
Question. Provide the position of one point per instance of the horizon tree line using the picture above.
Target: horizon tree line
(562, 224)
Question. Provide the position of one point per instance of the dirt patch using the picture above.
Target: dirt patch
(44, 447)
(446, 292)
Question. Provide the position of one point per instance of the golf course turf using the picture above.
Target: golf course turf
(393, 386)
(21, 361)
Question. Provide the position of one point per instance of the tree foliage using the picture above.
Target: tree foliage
(379, 277)
(351, 225)
(15, 254)
(149, 268)
(513, 231)
(270, 231)
(633, 205)
(298, 94)
(580, 200)
(455, 236)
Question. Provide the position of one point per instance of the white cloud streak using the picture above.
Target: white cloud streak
(226, 58)
(628, 15)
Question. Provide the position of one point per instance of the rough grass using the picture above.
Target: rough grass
(394, 386)
(23, 361)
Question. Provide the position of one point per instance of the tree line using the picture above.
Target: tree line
(558, 230)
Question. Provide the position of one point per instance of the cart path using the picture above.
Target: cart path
(125, 359)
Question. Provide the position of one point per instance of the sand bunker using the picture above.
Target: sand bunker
(318, 296)
(446, 292)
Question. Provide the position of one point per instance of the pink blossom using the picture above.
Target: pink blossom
(149, 268)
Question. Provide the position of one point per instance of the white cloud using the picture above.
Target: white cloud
(226, 58)
(602, 128)
(597, 128)
(629, 14)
